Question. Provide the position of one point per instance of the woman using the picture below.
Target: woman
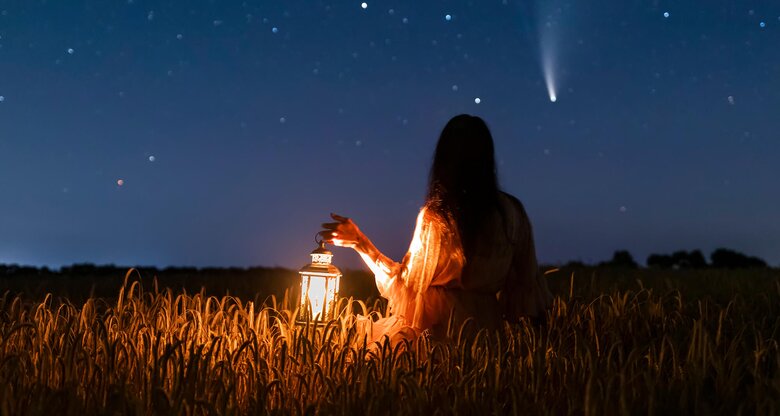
(472, 254)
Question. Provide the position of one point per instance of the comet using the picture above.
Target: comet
(549, 33)
(548, 70)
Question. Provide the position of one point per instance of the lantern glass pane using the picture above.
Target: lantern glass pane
(333, 285)
(316, 295)
(304, 290)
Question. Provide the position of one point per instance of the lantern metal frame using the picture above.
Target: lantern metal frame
(319, 268)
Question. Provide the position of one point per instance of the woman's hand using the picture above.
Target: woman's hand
(343, 233)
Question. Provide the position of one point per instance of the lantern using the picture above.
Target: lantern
(319, 286)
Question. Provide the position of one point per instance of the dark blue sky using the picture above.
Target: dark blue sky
(234, 140)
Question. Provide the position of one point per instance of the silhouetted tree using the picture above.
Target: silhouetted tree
(661, 261)
(678, 260)
(730, 259)
(696, 259)
(689, 260)
(621, 258)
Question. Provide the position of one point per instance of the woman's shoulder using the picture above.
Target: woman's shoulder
(512, 201)
(432, 212)
(515, 217)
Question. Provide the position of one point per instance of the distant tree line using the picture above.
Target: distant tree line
(721, 258)
(103, 280)
(79, 281)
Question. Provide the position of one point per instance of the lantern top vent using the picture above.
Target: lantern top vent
(321, 259)
(321, 255)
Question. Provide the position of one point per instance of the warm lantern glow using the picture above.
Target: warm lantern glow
(319, 292)
(319, 286)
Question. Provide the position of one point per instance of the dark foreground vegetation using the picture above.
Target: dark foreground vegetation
(617, 341)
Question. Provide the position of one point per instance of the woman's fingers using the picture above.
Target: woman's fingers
(330, 225)
(343, 233)
(330, 235)
(338, 218)
(327, 236)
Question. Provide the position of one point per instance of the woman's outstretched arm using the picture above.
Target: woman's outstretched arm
(393, 279)
(345, 233)
(404, 283)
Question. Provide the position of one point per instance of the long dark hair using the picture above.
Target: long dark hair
(463, 184)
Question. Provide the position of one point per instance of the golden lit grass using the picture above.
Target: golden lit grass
(622, 352)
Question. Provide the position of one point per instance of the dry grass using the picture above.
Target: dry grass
(629, 351)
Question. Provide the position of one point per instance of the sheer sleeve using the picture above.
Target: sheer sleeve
(403, 283)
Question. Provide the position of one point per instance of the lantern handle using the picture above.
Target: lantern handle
(318, 239)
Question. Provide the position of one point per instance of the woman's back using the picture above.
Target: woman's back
(503, 260)
(493, 249)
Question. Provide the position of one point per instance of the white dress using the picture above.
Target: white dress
(434, 282)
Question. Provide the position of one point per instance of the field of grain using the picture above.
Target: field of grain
(615, 342)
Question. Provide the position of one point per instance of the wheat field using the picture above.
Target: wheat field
(652, 345)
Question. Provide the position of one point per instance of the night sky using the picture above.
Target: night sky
(223, 133)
